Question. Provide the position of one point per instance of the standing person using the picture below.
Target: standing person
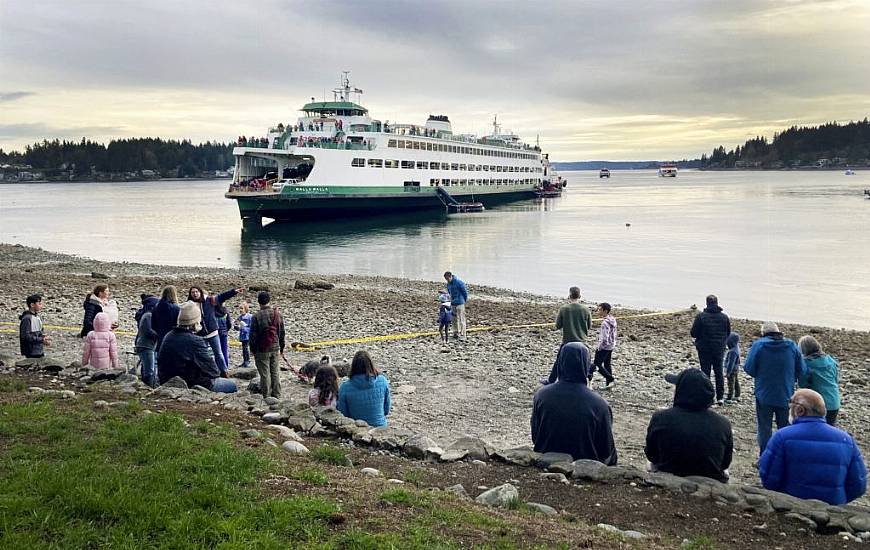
(146, 341)
(445, 316)
(605, 345)
(209, 321)
(811, 459)
(224, 323)
(94, 303)
(31, 335)
(243, 324)
(689, 439)
(822, 376)
(776, 364)
(458, 296)
(101, 346)
(568, 417)
(365, 395)
(731, 367)
(710, 330)
(267, 341)
(186, 355)
(573, 319)
(165, 314)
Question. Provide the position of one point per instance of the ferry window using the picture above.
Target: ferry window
(485, 168)
(428, 146)
(422, 165)
(391, 163)
(434, 166)
(471, 167)
(358, 162)
(463, 182)
(454, 166)
(446, 182)
(416, 145)
(391, 143)
(376, 163)
(401, 144)
(408, 164)
(452, 148)
(462, 167)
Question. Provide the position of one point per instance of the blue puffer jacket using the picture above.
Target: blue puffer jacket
(810, 459)
(365, 398)
(458, 292)
(776, 363)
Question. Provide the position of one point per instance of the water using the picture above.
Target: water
(789, 246)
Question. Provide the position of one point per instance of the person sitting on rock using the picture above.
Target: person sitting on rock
(568, 417)
(366, 394)
(811, 459)
(31, 336)
(186, 355)
(101, 346)
(325, 390)
(689, 439)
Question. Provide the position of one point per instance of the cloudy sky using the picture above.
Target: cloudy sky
(641, 79)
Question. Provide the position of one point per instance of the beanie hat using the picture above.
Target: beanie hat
(190, 315)
(768, 327)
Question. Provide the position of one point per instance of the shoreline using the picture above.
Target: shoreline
(483, 388)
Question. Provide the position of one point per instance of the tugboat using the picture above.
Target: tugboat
(604, 173)
(337, 161)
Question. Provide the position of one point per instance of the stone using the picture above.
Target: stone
(837, 524)
(273, 417)
(361, 424)
(453, 456)
(542, 508)
(98, 275)
(271, 400)
(458, 490)
(302, 423)
(250, 434)
(294, 447)
(284, 432)
(500, 497)
(395, 481)
(664, 480)
(244, 373)
(554, 476)
(820, 517)
(254, 385)
(109, 374)
(759, 503)
(521, 456)
(175, 382)
(860, 522)
(564, 468)
(807, 522)
(101, 405)
(416, 446)
(362, 436)
(302, 285)
(68, 394)
(35, 389)
(474, 447)
(126, 378)
(619, 532)
(513, 390)
(323, 285)
(390, 437)
(373, 472)
(548, 459)
(587, 469)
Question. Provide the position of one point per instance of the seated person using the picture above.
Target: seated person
(366, 393)
(568, 417)
(810, 458)
(689, 439)
(184, 354)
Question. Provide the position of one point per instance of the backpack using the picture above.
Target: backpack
(270, 336)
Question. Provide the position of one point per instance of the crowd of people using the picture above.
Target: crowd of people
(796, 385)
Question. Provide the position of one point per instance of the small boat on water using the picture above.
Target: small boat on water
(867, 193)
(849, 172)
(668, 170)
(604, 173)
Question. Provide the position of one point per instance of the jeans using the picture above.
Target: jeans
(223, 385)
(246, 353)
(225, 348)
(267, 366)
(602, 363)
(764, 415)
(459, 323)
(734, 384)
(215, 344)
(712, 360)
(149, 366)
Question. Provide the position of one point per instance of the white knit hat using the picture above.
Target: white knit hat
(190, 315)
(767, 327)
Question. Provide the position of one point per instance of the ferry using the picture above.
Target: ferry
(604, 173)
(668, 170)
(337, 161)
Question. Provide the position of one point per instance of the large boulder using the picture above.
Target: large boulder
(474, 447)
(521, 456)
(243, 374)
(389, 437)
(501, 497)
(254, 385)
(421, 446)
(174, 382)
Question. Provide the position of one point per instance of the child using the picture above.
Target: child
(822, 375)
(30, 332)
(224, 323)
(101, 348)
(605, 345)
(731, 366)
(243, 325)
(325, 390)
(445, 316)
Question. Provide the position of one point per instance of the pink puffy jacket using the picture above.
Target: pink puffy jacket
(101, 349)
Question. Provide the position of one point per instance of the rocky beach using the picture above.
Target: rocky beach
(482, 387)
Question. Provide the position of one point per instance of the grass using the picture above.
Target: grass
(12, 385)
(414, 477)
(331, 455)
(701, 542)
(312, 476)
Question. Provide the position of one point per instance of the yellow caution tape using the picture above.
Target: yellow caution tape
(314, 346)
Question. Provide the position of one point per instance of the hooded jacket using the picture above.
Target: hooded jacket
(207, 305)
(689, 439)
(183, 353)
(568, 417)
(146, 338)
(811, 459)
(732, 357)
(776, 363)
(164, 318)
(823, 376)
(364, 397)
(458, 292)
(30, 335)
(710, 329)
(92, 306)
(101, 348)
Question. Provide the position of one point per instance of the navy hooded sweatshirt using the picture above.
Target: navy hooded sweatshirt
(689, 439)
(568, 417)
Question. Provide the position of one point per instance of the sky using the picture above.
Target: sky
(602, 80)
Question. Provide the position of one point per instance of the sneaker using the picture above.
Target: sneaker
(606, 386)
(730, 401)
(720, 402)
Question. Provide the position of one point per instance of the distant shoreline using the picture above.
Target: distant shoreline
(157, 180)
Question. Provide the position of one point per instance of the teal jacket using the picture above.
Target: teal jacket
(366, 398)
(823, 376)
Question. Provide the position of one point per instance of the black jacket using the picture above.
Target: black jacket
(187, 355)
(710, 329)
(163, 319)
(568, 417)
(30, 335)
(689, 439)
(92, 306)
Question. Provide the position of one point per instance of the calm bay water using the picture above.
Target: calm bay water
(773, 245)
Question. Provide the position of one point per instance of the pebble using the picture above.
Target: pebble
(294, 447)
(373, 472)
